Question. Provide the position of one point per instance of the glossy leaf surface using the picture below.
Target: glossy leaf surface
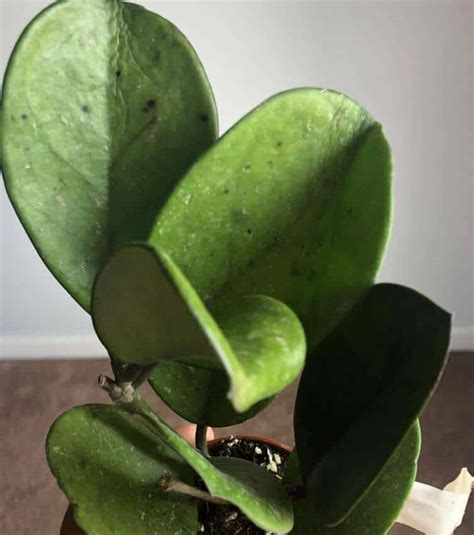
(362, 390)
(378, 510)
(108, 464)
(105, 106)
(199, 395)
(293, 202)
(145, 311)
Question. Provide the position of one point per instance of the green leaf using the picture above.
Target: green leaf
(105, 106)
(293, 202)
(378, 510)
(145, 310)
(251, 488)
(199, 395)
(362, 390)
(108, 464)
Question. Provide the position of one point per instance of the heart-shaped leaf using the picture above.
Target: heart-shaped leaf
(378, 510)
(105, 106)
(251, 488)
(293, 202)
(199, 395)
(109, 464)
(362, 390)
(145, 310)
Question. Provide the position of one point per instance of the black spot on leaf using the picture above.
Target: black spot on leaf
(118, 72)
(24, 116)
(85, 108)
(279, 144)
(226, 191)
(204, 117)
(249, 231)
(150, 104)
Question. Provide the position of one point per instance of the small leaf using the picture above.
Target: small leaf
(109, 465)
(293, 202)
(380, 507)
(105, 106)
(199, 395)
(362, 390)
(251, 488)
(145, 310)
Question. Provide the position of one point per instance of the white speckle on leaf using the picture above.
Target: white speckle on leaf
(65, 121)
(60, 200)
(187, 199)
(28, 166)
(244, 211)
(258, 450)
(83, 267)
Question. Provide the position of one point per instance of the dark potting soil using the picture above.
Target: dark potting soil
(227, 519)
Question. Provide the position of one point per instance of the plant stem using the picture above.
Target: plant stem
(168, 484)
(123, 392)
(110, 386)
(142, 376)
(201, 439)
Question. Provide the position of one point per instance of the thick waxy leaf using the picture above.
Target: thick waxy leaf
(109, 464)
(105, 106)
(293, 202)
(145, 311)
(199, 395)
(362, 390)
(379, 509)
(251, 488)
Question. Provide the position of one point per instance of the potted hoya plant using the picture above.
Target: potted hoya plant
(219, 270)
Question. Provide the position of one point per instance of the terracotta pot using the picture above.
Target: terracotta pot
(69, 526)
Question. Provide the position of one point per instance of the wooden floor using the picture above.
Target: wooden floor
(33, 394)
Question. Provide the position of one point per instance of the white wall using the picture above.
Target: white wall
(409, 63)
